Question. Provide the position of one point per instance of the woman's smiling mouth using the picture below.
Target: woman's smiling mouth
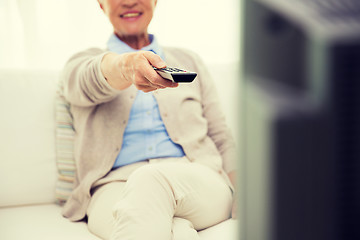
(130, 15)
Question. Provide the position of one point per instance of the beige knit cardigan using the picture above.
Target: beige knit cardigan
(191, 113)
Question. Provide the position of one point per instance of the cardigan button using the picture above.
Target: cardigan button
(124, 122)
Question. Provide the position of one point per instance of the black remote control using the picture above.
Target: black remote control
(176, 75)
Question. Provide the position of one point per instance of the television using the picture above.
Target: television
(300, 120)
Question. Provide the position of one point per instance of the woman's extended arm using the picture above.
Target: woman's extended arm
(95, 76)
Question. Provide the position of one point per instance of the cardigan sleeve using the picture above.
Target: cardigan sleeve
(82, 81)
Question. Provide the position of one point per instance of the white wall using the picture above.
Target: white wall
(209, 27)
(40, 34)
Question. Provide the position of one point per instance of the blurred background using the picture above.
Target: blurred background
(43, 34)
(301, 120)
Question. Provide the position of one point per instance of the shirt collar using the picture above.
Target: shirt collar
(114, 44)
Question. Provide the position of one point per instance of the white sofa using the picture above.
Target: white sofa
(28, 171)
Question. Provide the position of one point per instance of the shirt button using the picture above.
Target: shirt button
(131, 97)
(150, 148)
(165, 115)
(148, 112)
(124, 122)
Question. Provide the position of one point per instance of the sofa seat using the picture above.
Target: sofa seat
(40, 222)
(44, 222)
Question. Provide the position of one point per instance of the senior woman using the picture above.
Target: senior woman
(155, 159)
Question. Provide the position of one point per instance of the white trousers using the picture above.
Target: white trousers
(166, 200)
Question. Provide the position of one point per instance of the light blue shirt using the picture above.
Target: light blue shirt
(145, 136)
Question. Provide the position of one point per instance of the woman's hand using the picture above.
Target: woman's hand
(136, 68)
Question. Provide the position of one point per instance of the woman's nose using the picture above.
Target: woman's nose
(129, 3)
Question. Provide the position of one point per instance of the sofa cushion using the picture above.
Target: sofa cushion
(27, 149)
(65, 161)
(42, 222)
